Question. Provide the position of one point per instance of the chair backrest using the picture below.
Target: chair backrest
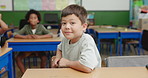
(144, 40)
(23, 22)
(2, 40)
(127, 61)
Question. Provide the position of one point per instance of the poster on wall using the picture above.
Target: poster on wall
(5, 5)
(43, 5)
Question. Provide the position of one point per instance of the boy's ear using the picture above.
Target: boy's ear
(38, 21)
(85, 26)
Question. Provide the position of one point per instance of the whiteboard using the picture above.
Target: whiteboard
(106, 4)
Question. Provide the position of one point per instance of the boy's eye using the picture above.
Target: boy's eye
(63, 23)
(72, 23)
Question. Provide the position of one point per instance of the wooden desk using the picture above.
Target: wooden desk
(54, 31)
(104, 72)
(23, 45)
(6, 61)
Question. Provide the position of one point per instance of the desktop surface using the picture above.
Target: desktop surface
(104, 72)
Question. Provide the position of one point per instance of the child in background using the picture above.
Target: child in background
(77, 50)
(33, 30)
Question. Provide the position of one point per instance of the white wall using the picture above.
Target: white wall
(106, 4)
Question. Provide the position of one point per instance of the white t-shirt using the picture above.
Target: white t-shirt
(84, 51)
(33, 31)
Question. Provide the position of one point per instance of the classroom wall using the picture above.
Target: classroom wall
(111, 17)
(101, 17)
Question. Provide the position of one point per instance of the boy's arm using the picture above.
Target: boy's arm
(3, 25)
(74, 64)
(21, 33)
(58, 56)
(47, 36)
(23, 36)
(42, 36)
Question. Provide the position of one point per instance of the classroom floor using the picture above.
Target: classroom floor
(104, 55)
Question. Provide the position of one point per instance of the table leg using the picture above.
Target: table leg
(10, 67)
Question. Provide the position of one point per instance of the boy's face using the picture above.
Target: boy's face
(72, 28)
(33, 20)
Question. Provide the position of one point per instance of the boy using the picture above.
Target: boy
(77, 50)
(33, 30)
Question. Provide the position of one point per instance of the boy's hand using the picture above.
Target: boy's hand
(63, 62)
(28, 37)
(55, 62)
(35, 36)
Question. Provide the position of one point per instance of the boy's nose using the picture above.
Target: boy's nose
(67, 25)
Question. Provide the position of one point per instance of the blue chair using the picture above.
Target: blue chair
(143, 45)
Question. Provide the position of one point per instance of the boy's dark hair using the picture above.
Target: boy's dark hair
(79, 11)
(32, 11)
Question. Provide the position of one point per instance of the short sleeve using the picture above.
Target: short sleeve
(63, 42)
(88, 56)
(60, 46)
(21, 32)
(44, 30)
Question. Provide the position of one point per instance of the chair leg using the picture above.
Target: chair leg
(24, 62)
(49, 55)
(142, 51)
(128, 48)
(29, 62)
(110, 49)
(136, 50)
(35, 61)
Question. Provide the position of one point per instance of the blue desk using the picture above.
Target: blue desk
(106, 33)
(22, 45)
(49, 44)
(116, 33)
(6, 61)
(129, 34)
